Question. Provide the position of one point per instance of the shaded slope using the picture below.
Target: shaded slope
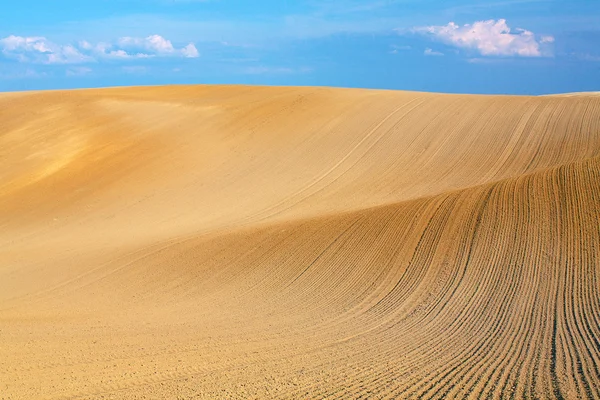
(237, 242)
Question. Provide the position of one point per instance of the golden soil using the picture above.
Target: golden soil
(257, 242)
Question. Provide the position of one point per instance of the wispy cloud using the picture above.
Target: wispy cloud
(78, 71)
(40, 50)
(135, 69)
(587, 57)
(395, 49)
(28, 73)
(430, 52)
(490, 38)
(490, 60)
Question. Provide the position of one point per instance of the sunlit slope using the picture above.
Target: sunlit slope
(242, 242)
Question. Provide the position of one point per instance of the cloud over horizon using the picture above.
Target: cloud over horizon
(40, 50)
(490, 38)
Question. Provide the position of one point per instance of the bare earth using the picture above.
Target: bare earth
(253, 242)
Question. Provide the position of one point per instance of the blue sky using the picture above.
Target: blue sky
(462, 46)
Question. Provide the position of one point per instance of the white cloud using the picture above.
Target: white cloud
(84, 44)
(119, 54)
(18, 43)
(116, 54)
(68, 55)
(490, 38)
(157, 45)
(430, 52)
(39, 50)
(190, 51)
(152, 44)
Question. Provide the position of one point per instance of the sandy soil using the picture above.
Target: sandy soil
(254, 242)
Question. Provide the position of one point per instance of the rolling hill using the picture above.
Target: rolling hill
(268, 242)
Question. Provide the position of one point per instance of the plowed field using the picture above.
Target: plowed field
(262, 242)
